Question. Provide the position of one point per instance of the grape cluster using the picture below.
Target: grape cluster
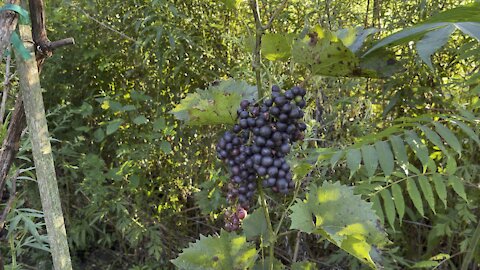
(257, 145)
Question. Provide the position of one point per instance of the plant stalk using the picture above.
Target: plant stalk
(473, 245)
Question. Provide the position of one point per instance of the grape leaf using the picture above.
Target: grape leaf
(334, 212)
(255, 225)
(218, 252)
(353, 38)
(324, 54)
(277, 46)
(217, 104)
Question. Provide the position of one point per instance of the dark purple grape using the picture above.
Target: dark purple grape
(244, 114)
(267, 161)
(268, 102)
(275, 111)
(260, 141)
(262, 171)
(296, 91)
(236, 128)
(280, 101)
(289, 94)
(285, 148)
(244, 104)
(287, 108)
(272, 171)
(275, 88)
(265, 131)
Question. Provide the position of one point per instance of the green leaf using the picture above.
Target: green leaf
(354, 157)
(457, 185)
(467, 130)
(305, 265)
(334, 212)
(324, 54)
(218, 252)
(427, 191)
(415, 196)
(159, 124)
(99, 135)
(256, 225)
(166, 147)
(432, 42)
(440, 188)
(419, 149)
(232, 4)
(470, 28)
(389, 207)
(451, 167)
(353, 38)
(385, 157)
(399, 200)
(114, 126)
(277, 46)
(140, 120)
(382, 64)
(434, 138)
(400, 150)
(425, 264)
(336, 157)
(216, 105)
(377, 207)
(370, 159)
(449, 137)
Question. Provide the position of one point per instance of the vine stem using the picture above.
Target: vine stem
(272, 234)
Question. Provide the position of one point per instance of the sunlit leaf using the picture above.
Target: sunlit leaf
(324, 54)
(216, 105)
(333, 211)
(277, 46)
(218, 252)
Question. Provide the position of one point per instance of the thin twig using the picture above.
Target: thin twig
(3, 218)
(297, 246)
(103, 24)
(6, 86)
(275, 14)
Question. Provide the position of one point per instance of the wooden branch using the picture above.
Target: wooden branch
(37, 16)
(11, 143)
(42, 155)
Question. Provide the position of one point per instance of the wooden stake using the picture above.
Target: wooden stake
(42, 153)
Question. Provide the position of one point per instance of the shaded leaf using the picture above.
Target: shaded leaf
(354, 158)
(385, 157)
(427, 191)
(370, 159)
(432, 42)
(457, 185)
(114, 126)
(399, 200)
(140, 120)
(467, 130)
(389, 207)
(399, 149)
(434, 138)
(256, 225)
(449, 137)
(419, 149)
(415, 195)
(425, 264)
(440, 188)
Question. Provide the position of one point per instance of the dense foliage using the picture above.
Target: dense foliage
(381, 166)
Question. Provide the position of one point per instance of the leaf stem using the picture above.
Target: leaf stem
(258, 43)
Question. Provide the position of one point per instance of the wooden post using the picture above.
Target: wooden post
(42, 153)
